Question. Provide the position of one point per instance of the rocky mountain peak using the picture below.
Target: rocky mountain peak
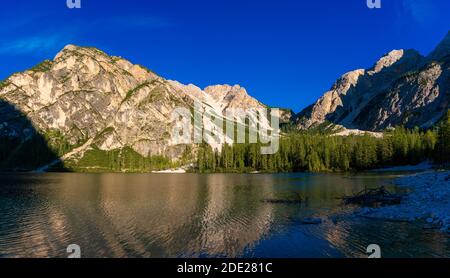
(347, 80)
(232, 97)
(74, 50)
(221, 91)
(84, 92)
(330, 101)
(402, 88)
(69, 47)
(88, 63)
(387, 60)
(102, 104)
(396, 59)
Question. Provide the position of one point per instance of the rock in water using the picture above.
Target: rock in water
(311, 221)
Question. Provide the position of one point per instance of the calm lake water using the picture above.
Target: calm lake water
(192, 215)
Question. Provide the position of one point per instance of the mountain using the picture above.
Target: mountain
(88, 111)
(402, 88)
(90, 106)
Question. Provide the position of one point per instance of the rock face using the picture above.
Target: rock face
(402, 88)
(96, 101)
(232, 97)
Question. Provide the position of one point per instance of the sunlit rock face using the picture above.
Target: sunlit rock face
(402, 88)
(232, 97)
(107, 103)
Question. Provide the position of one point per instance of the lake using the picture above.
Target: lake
(193, 215)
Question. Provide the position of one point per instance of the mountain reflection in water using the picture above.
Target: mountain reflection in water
(191, 215)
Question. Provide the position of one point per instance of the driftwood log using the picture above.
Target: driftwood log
(373, 197)
(296, 200)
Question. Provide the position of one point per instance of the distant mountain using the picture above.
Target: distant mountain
(89, 102)
(402, 88)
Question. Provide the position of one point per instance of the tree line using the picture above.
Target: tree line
(319, 152)
(299, 151)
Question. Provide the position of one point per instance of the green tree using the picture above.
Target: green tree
(443, 144)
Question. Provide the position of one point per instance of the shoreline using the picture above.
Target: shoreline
(171, 171)
(424, 166)
(428, 203)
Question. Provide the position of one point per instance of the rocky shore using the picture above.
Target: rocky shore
(427, 204)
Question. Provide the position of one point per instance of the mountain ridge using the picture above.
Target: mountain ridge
(108, 103)
(402, 88)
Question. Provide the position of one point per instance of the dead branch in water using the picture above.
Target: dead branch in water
(373, 197)
(297, 200)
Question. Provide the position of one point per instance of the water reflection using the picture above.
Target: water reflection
(163, 215)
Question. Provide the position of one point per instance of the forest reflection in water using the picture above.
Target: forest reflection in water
(193, 215)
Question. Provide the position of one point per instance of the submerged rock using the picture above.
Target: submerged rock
(310, 220)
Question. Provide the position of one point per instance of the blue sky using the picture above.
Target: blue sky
(286, 53)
